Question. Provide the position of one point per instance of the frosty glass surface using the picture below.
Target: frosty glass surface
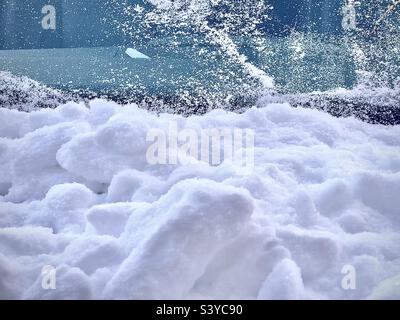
(304, 45)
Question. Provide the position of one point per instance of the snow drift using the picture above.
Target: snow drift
(76, 193)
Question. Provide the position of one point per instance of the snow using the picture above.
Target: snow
(78, 194)
(23, 93)
(283, 283)
(134, 54)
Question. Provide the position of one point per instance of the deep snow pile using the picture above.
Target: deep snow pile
(77, 193)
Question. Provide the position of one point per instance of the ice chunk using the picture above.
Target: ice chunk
(134, 54)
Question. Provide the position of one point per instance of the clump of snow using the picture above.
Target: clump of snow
(109, 219)
(77, 194)
(283, 283)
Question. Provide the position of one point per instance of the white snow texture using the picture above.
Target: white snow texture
(77, 193)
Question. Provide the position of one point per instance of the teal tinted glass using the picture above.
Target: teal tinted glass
(212, 47)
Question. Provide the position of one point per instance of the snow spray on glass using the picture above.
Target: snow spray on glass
(219, 21)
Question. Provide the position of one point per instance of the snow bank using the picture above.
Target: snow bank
(78, 194)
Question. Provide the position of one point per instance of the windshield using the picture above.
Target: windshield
(210, 48)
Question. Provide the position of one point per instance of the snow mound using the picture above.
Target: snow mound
(23, 93)
(79, 200)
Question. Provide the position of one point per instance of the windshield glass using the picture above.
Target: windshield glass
(206, 48)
